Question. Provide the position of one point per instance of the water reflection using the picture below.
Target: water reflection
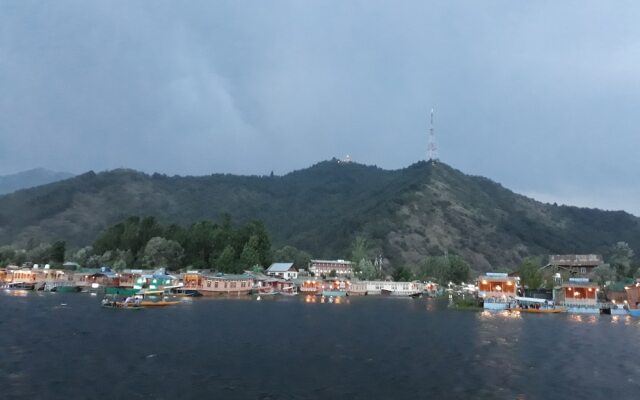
(489, 315)
(16, 293)
(587, 319)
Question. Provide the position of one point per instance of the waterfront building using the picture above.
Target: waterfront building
(154, 280)
(283, 270)
(97, 277)
(385, 287)
(325, 267)
(218, 284)
(497, 290)
(578, 296)
(309, 285)
(579, 265)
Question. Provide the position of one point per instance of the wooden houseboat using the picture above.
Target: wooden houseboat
(218, 284)
(497, 290)
(578, 296)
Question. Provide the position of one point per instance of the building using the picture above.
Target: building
(325, 267)
(218, 284)
(574, 264)
(283, 270)
(578, 296)
(497, 290)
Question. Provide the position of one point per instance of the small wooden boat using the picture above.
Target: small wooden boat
(289, 291)
(121, 305)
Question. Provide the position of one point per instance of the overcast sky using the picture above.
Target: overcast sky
(541, 96)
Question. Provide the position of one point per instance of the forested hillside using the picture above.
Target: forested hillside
(405, 215)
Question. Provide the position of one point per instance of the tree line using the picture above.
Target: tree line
(144, 242)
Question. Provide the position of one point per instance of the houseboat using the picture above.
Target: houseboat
(218, 284)
(578, 296)
(497, 290)
(633, 299)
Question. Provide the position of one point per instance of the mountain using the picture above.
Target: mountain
(30, 178)
(407, 214)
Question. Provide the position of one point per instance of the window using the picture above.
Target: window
(583, 270)
(233, 285)
(208, 283)
(225, 285)
(215, 284)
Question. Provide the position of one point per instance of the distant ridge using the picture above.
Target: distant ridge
(406, 214)
(30, 178)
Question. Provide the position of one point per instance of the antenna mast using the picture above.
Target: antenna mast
(432, 148)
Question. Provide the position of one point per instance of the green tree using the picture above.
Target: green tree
(41, 254)
(227, 260)
(603, 274)
(160, 252)
(620, 258)
(82, 255)
(333, 273)
(299, 258)
(359, 250)
(401, 274)
(367, 270)
(58, 251)
(530, 275)
(458, 270)
(250, 253)
(7, 255)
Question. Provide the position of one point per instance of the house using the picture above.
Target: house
(497, 290)
(574, 264)
(325, 267)
(578, 296)
(218, 284)
(283, 270)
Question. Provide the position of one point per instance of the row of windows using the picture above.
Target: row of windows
(229, 285)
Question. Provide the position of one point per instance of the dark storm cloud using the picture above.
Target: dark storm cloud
(541, 96)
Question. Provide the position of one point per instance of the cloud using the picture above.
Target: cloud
(533, 95)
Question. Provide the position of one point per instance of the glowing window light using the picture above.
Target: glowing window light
(498, 288)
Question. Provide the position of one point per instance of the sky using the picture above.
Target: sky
(542, 97)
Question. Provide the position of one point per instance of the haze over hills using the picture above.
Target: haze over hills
(406, 215)
(31, 178)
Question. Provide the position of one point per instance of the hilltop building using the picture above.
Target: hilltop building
(574, 264)
(324, 267)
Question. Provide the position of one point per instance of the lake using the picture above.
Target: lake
(67, 346)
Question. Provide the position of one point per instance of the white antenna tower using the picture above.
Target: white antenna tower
(432, 147)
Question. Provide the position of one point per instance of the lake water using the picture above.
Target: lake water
(67, 346)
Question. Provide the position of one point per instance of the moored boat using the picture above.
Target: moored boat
(20, 286)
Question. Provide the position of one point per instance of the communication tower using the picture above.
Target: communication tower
(432, 147)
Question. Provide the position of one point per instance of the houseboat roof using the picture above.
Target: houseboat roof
(228, 277)
(280, 267)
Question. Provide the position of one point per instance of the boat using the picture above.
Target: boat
(142, 298)
(160, 303)
(266, 291)
(289, 291)
(401, 292)
(634, 312)
(123, 305)
(62, 287)
(183, 292)
(334, 293)
(20, 286)
(536, 306)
